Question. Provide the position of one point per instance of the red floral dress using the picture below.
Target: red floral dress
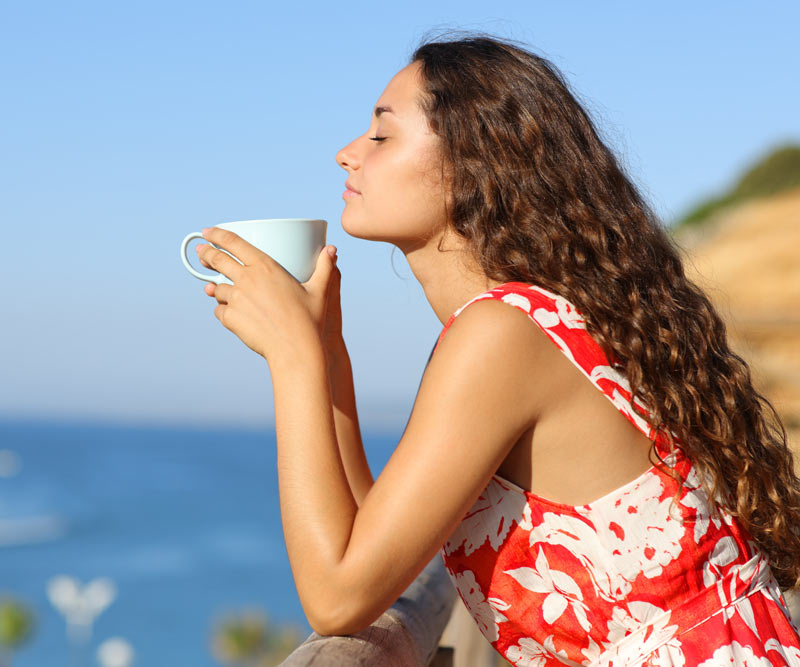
(621, 580)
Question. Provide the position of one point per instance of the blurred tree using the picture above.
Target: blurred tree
(250, 640)
(16, 627)
(779, 170)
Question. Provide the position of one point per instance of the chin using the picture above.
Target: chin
(351, 230)
(387, 230)
(360, 229)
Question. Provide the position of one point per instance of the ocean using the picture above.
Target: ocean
(184, 522)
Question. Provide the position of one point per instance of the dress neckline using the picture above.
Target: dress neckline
(530, 495)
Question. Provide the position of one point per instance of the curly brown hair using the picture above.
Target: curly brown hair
(540, 199)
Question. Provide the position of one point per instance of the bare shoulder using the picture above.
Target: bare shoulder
(500, 330)
(494, 351)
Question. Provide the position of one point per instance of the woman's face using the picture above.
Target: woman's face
(399, 192)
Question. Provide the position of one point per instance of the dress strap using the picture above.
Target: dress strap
(565, 326)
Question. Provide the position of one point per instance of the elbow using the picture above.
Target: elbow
(332, 627)
(340, 616)
(323, 622)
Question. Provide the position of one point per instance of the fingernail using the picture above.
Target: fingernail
(332, 251)
(205, 230)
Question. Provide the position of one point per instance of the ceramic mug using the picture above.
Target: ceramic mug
(295, 243)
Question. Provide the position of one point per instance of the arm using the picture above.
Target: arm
(350, 563)
(345, 418)
(340, 372)
(477, 396)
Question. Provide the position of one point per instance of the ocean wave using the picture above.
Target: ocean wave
(31, 529)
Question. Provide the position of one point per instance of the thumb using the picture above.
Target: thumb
(326, 262)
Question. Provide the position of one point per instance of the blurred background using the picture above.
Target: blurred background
(139, 519)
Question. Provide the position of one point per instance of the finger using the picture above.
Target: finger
(326, 263)
(234, 244)
(226, 316)
(219, 313)
(210, 288)
(223, 292)
(220, 261)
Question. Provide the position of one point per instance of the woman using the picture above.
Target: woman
(604, 483)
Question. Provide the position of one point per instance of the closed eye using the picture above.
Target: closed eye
(377, 138)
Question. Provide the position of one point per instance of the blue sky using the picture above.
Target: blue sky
(125, 126)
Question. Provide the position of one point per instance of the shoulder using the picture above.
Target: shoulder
(491, 319)
(492, 346)
(540, 305)
(501, 316)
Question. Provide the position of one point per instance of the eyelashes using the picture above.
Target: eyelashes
(377, 138)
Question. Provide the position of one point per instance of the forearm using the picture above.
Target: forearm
(345, 416)
(317, 505)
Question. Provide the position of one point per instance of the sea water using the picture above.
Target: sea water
(185, 522)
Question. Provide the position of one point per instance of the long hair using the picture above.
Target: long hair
(540, 199)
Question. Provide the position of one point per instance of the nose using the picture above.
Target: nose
(347, 157)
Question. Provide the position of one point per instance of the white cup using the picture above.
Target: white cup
(295, 243)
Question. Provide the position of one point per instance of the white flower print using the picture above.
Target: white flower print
(517, 300)
(725, 552)
(790, 653)
(639, 530)
(697, 500)
(636, 534)
(546, 318)
(527, 653)
(567, 313)
(755, 572)
(593, 651)
(668, 655)
(611, 374)
(638, 630)
(530, 653)
(527, 518)
(486, 612)
(580, 539)
(569, 316)
(633, 616)
(480, 297)
(737, 655)
(560, 588)
(490, 517)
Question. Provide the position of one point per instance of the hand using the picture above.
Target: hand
(332, 328)
(266, 307)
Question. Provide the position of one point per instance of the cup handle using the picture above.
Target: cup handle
(202, 276)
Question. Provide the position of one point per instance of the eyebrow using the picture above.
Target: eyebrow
(379, 110)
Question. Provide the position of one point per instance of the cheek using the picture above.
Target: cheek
(389, 183)
(403, 180)
(402, 198)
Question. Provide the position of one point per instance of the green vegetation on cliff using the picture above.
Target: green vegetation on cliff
(778, 171)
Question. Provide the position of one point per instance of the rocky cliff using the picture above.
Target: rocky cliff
(747, 258)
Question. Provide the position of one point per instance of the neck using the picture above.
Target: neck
(450, 277)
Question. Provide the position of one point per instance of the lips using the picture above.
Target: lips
(351, 188)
